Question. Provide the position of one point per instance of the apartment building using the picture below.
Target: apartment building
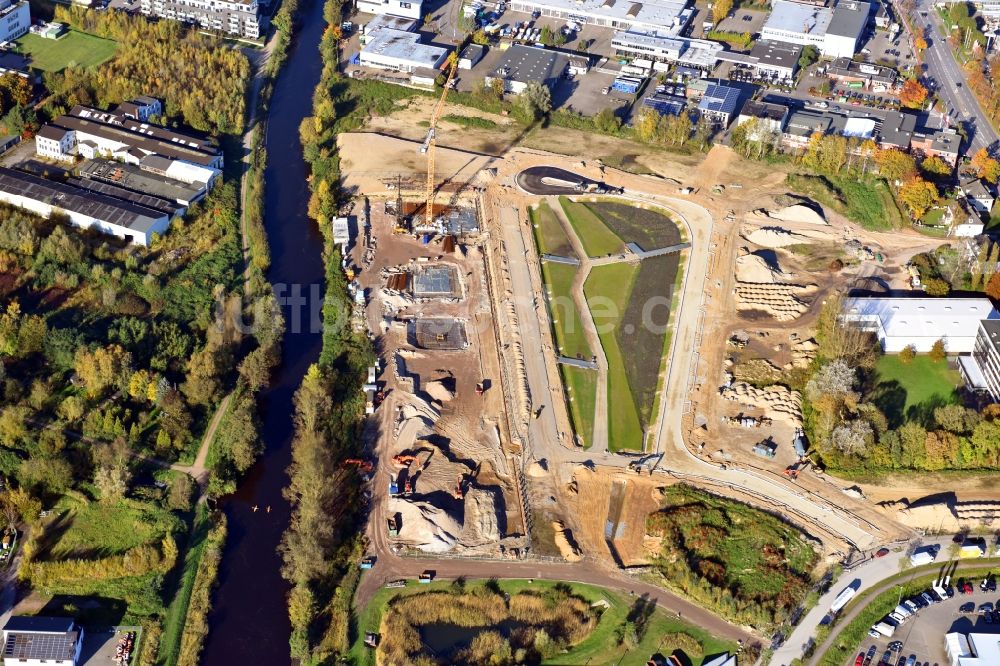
(242, 18)
(15, 19)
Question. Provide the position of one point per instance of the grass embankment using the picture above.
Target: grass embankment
(849, 639)
(659, 632)
(923, 383)
(607, 290)
(566, 321)
(648, 228)
(867, 201)
(550, 238)
(73, 49)
(741, 562)
(595, 236)
(581, 394)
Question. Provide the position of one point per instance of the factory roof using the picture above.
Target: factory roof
(777, 54)
(39, 624)
(402, 45)
(148, 130)
(898, 128)
(659, 13)
(974, 649)
(39, 639)
(849, 19)
(936, 318)
(720, 99)
(75, 199)
(525, 64)
(390, 21)
(768, 110)
(134, 178)
(807, 123)
(794, 17)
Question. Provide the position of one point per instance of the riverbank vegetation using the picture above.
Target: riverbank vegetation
(322, 544)
(743, 563)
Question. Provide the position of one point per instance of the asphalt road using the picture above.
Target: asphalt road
(950, 80)
(549, 181)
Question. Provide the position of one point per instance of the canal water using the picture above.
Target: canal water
(249, 620)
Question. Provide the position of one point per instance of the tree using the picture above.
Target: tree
(53, 474)
(102, 368)
(853, 438)
(918, 195)
(607, 121)
(480, 37)
(920, 43)
(721, 9)
(181, 488)
(993, 287)
(647, 125)
(908, 353)
(895, 165)
(835, 378)
(678, 129)
(21, 121)
(935, 166)
(15, 90)
(536, 101)
(938, 352)
(936, 287)
(957, 419)
(985, 167)
(913, 94)
(112, 482)
(810, 54)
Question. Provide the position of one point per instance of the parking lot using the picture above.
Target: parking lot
(743, 20)
(884, 50)
(922, 634)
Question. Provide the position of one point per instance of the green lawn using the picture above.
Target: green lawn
(72, 49)
(581, 393)
(173, 625)
(601, 647)
(867, 202)
(909, 392)
(548, 232)
(595, 236)
(607, 289)
(566, 321)
(99, 529)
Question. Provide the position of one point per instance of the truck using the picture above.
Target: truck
(922, 556)
(842, 599)
(393, 526)
(972, 549)
(885, 629)
(426, 577)
(368, 562)
(764, 450)
(393, 486)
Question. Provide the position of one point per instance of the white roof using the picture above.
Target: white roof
(722, 660)
(405, 46)
(653, 13)
(924, 317)
(798, 18)
(986, 648)
(860, 127)
(190, 173)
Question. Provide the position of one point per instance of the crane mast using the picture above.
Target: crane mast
(430, 142)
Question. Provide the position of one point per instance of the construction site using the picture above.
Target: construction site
(473, 449)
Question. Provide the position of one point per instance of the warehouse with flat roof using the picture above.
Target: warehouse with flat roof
(899, 322)
(834, 32)
(668, 17)
(522, 65)
(400, 51)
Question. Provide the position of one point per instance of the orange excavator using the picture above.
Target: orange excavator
(363, 466)
(404, 460)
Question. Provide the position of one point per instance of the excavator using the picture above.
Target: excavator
(364, 466)
(404, 460)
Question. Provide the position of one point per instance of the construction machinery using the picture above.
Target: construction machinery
(393, 526)
(460, 487)
(430, 141)
(404, 460)
(364, 466)
(480, 389)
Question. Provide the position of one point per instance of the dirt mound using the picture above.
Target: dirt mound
(563, 539)
(755, 269)
(778, 402)
(538, 469)
(424, 526)
(798, 213)
(480, 525)
(438, 391)
(781, 301)
(773, 237)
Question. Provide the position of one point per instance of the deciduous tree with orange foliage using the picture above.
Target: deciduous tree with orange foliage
(920, 43)
(985, 166)
(918, 195)
(935, 166)
(894, 164)
(913, 94)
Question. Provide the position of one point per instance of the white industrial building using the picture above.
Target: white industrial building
(899, 322)
(698, 53)
(15, 19)
(41, 641)
(668, 17)
(522, 65)
(405, 8)
(972, 649)
(833, 31)
(400, 51)
(85, 208)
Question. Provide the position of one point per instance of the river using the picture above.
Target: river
(249, 620)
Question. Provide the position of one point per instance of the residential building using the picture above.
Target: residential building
(897, 130)
(84, 208)
(876, 77)
(979, 195)
(700, 54)
(972, 649)
(899, 322)
(405, 8)
(55, 143)
(666, 17)
(962, 219)
(38, 641)
(776, 60)
(242, 18)
(981, 369)
(142, 108)
(720, 103)
(15, 19)
(943, 143)
(771, 117)
(833, 31)
(522, 65)
(97, 133)
(400, 51)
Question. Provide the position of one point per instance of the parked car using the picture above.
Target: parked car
(896, 646)
(986, 607)
(967, 607)
(912, 660)
(860, 659)
(928, 599)
(881, 552)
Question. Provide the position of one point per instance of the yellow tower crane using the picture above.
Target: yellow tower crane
(430, 140)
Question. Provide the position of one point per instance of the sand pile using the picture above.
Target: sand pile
(754, 269)
(425, 526)
(798, 213)
(778, 402)
(781, 301)
(564, 543)
(438, 391)
(803, 353)
(538, 469)
(481, 525)
(773, 237)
